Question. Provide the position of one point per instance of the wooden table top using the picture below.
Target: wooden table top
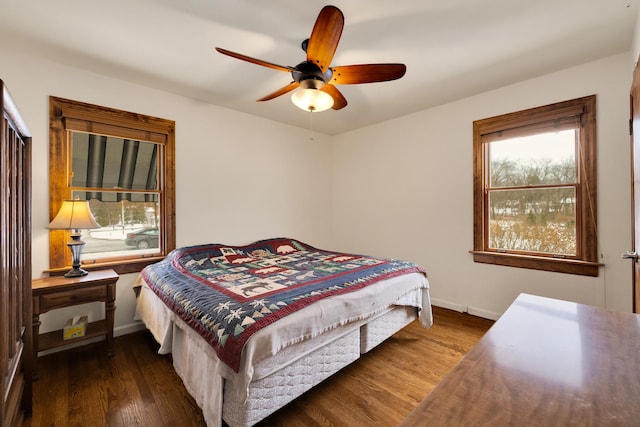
(52, 283)
(545, 362)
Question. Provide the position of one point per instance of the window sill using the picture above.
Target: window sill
(120, 267)
(559, 265)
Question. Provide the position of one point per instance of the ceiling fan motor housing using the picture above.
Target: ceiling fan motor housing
(310, 76)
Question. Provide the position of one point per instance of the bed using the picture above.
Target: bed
(252, 327)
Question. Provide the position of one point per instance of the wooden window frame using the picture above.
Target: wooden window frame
(66, 116)
(586, 260)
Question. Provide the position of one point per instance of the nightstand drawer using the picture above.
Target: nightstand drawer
(77, 296)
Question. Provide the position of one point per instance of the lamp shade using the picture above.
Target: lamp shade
(312, 100)
(74, 215)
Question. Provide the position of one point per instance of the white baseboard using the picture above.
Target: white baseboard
(139, 326)
(486, 314)
(128, 329)
(449, 305)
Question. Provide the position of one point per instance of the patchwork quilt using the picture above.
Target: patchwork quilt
(227, 293)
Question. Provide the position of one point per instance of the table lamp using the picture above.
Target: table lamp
(74, 215)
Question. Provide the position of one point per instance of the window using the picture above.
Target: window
(535, 188)
(123, 164)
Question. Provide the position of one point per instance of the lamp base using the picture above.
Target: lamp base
(76, 272)
(75, 245)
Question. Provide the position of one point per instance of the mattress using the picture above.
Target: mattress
(384, 325)
(343, 346)
(272, 392)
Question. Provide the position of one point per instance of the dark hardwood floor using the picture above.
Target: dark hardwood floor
(138, 387)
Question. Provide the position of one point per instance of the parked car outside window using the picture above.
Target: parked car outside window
(143, 238)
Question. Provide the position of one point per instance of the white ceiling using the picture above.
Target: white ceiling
(452, 48)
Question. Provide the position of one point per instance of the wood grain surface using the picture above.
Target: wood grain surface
(137, 387)
(544, 363)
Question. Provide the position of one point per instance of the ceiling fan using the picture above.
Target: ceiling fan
(315, 77)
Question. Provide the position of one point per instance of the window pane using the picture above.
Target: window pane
(533, 220)
(126, 228)
(542, 159)
(106, 162)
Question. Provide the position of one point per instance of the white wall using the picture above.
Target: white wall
(413, 177)
(635, 43)
(401, 188)
(238, 178)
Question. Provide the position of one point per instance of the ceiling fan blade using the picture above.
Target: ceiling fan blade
(288, 88)
(339, 101)
(325, 36)
(255, 61)
(367, 73)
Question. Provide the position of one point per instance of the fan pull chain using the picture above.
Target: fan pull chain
(311, 125)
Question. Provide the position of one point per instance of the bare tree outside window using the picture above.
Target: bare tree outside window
(532, 193)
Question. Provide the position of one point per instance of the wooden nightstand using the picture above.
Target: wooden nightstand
(58, 291)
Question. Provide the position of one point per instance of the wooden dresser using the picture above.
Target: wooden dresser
(545, 362)
(15, 264)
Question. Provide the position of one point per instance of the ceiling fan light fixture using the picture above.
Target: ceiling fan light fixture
(312, 100)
